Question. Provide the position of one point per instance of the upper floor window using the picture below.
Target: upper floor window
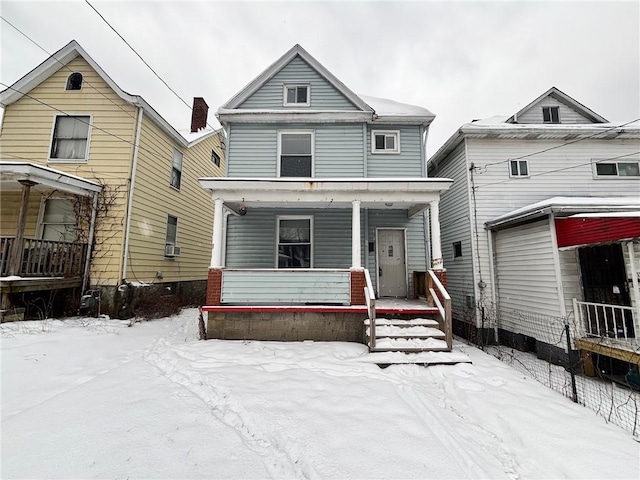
(74, 81)
(215, 158)
(295, 236)
(297, 95)
(70, 138)
(385, 141)
(518, 168)
(457, 249)
(618, 169)
(171, 248)
(551, 114)
(295, 153)
(176, 168)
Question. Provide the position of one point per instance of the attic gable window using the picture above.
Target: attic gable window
(74, 81)
(385, 141)
(297, 95)
(551, 114)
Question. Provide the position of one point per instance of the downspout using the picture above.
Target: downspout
(92, 231)
(423, 149)
(492, 280)
(134, 167)
(226, 150)
(425, 225)
(365, 153)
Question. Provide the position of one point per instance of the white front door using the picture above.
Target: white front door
(392, 270)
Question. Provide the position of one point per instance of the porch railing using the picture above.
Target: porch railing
(438, 297)
(44, 258)
(370, 300)
(603, 320)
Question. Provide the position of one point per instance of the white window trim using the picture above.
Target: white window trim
(385, 132)
(40, 224)
(595, 161)
(557, 107)
(292, 85)
(166, 229)
(171, 169)
(53, 129)
(511, 175)
(67, 81)
(313, 149)
(311, 234)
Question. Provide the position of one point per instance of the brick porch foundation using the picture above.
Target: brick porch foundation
(358, 282)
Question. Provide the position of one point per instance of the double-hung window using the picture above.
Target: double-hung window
(295, 236)
(295, 153)
(59, 220)
(176, 169)
(518, 168)
(297, 96)
(215, 158)
(385, 141)
(551, 114)
(618, 169)
(70, 138)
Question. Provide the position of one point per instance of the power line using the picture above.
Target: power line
(581, 139)
(561, 169)
(64, 65)
(143, 60)
(151, 152)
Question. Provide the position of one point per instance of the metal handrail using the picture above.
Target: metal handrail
(441, 299)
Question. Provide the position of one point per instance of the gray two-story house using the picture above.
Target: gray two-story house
(325, 192)
(542, 227)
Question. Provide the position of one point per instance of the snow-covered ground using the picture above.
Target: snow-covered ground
(88, 398)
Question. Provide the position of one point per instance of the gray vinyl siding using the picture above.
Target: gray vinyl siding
(324, 96)
(455, 225)
(528, 298)
(415, 241)
(253, 150)
(293, 287)
(251, 239)
(566, 113)
(571, 277)
(407, 163)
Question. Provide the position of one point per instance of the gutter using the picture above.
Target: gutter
(134, 168)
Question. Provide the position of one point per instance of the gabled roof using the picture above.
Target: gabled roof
(295, 51)
(563, 98)
(63, 57)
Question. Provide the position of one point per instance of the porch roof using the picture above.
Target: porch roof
(384, 193)
(11, 173)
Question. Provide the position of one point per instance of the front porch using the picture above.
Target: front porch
(39, 247)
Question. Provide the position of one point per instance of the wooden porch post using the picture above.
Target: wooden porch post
(15, 259)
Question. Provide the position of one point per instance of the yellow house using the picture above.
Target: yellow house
(99, 192)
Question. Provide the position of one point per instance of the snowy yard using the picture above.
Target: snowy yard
(89, 398)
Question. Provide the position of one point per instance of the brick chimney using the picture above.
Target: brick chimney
(199, 114)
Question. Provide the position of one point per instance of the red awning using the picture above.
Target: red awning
(585, 230)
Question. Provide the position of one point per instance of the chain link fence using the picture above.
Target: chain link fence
(544, 347)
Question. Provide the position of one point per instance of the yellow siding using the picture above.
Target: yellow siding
(154, 199)
(9, 209)
(26, 136)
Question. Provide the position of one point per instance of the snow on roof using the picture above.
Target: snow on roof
(384, 106)
(190, 136)
(499, 122)
(607, 214)
(568, 204)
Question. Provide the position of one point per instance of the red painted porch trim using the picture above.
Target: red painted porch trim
(317, 309)
(588, 230)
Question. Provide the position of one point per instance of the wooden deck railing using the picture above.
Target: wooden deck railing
(44, 258)
(603, 320)
(438, 297)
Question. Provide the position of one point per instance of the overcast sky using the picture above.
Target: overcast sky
(461, 60)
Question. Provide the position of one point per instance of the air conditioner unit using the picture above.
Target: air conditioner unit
(171, 251)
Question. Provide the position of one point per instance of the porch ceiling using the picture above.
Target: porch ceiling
(412, 194)
(11, 173)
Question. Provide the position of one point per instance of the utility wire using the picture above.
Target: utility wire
(84, 81)
(151, 152)
(560, 169)
(581, 139)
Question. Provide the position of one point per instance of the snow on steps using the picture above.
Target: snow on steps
(426, 322)
(417, 331)
(384, 359)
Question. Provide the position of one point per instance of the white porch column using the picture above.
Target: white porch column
(355, 235)
(436, 248)
(216, 252)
